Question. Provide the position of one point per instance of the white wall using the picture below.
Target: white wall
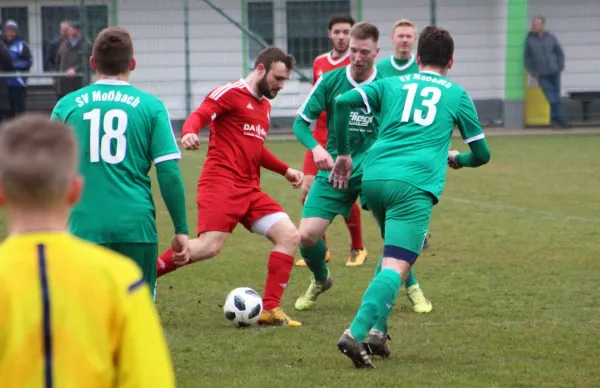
(576, 24)
(478, 28)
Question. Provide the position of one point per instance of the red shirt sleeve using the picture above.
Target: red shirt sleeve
(316, 74)
(215, 104)
(272, 163)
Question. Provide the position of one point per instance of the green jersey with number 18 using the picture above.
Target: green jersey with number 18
(417, 114)
(121, 131)
(363, 126)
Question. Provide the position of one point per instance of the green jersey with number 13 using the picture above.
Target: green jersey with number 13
(417, 114)
(121, 131)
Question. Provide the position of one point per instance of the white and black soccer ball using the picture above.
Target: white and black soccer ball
(243, 307)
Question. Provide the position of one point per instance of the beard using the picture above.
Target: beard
(265, 90)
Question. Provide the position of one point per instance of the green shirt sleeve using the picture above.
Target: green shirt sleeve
(163, 145)
(56, 112)
(173, 193)
(315, 103)
(367, 97)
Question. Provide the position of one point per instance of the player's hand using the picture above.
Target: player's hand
(322, 159)
(452, 163)
(342, 169)
(190, 141)
(71, 71)
(295, 177)
(181, 249)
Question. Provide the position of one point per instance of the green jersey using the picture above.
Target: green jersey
(418, 113)
(121, 131)
(390, 66)
(363, 126)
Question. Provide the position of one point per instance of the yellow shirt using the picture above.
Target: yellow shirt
(74, 314)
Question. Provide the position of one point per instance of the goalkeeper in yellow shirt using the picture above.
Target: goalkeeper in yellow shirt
(72, 314)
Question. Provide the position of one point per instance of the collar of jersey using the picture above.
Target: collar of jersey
(431, 72)
(341, 59)
(243, 81)
(365, 82)
(410, 61)
(112, 82)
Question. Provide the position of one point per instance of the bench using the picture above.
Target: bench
(586, 98)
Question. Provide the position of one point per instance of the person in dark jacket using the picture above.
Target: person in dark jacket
(6, 65)
(54, 46)
(22, 61)
(73, 58)
(545, 61)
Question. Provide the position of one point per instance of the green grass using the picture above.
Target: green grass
(512, 273)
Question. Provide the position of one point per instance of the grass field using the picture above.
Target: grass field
(512, 273)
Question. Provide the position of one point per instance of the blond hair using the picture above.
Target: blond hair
(38, 161)
(404, 23)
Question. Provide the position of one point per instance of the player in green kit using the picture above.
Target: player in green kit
(403, 61)
(404, 36)
(122, 131)
(323, 202)
(404, 173)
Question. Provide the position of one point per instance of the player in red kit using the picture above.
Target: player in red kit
(339, 34)
(229, 189)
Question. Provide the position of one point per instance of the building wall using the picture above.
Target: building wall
(217, 47)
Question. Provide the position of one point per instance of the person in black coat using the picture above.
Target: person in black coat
(6, 65)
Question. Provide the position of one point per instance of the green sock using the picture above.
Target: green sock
(377, 302)
(411, 280)
(315, 259)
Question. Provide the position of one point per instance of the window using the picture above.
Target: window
(95, 21)
(307, 27)
(19, 15)
(260, 22)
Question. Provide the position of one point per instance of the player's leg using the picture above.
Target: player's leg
(358, 253)
(408, 211)
(322, 205)
(267, 218)
(219, 210)
(310, 170)
(414, 292)
(144, 255)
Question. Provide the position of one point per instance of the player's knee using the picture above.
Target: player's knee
(286, 235)
(401, 254)
(308, 237)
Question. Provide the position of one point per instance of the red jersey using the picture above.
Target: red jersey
(239, 122)
(321, 65)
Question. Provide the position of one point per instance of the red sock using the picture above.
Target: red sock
(279, 270)
(165, 263)
(354, 227)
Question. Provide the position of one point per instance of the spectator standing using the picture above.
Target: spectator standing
(545, 61)
(72, 58)
(55, 45)
(22, 61)
(6, 66)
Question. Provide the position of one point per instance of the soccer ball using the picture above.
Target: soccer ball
(243, 307)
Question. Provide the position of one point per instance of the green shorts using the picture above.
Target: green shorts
(324, 201)
(144, 254)
(402, 211)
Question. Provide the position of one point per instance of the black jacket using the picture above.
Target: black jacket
(6, 65)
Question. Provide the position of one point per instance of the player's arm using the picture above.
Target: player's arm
(214, 104)
(472, 134)
(367, 97)
(309, 112)
(272, 163)
(143, 358)
(165, 155)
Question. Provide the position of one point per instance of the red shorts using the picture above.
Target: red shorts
(222, 205)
